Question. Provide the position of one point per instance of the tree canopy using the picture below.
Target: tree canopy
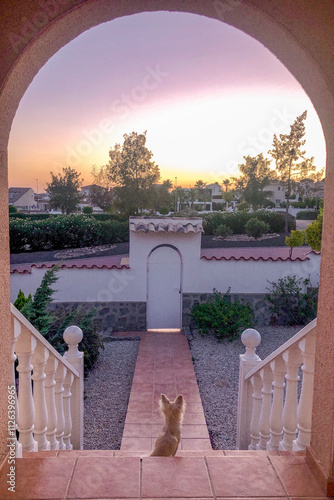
(256, 176)
(287, 152)
(132, 172)
(64, 190)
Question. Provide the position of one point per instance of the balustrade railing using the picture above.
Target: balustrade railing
(49, 405)
(274, 405)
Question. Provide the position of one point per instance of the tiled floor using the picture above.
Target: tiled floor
(197, 472)
(163, 365)
(191, 475)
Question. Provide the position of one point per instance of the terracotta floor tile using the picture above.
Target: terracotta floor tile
(38, 478)
(195, 431)
(48, 453)
(194, 418)
(142, 406)
(86, 453)
(136, 444)
(137, 430)
(138, 417)
(250, 453)
(243, 477)
(100, 477)
(194, 407)
(195, 444)
(296, 476)
(175, 477)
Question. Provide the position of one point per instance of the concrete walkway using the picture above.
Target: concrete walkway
(164, 365)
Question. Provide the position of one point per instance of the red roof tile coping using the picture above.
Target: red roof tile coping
(111, 262)
(261, 253)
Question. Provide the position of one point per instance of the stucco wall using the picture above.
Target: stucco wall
(299, 33)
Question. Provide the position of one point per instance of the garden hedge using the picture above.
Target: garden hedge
(65, 231)
(237, 221)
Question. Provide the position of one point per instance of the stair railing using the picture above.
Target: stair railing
(49, 405)
(274, 410)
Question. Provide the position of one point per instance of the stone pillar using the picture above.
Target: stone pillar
(320, 454)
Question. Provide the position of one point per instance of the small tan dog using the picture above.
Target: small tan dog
(167, 443)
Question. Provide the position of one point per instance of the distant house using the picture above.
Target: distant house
(22, 198)
(277, 192)
(86, 200)
(217, 192)
(42, 201)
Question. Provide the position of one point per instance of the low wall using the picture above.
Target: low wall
(131, 316)
(110, 316)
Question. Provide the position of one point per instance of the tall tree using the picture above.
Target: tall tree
(256, 176)
(287, 153)
(102, 197)
(132, 172)
(64, 190)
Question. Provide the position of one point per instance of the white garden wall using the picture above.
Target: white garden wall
(243, 273)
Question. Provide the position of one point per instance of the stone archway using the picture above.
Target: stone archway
(299, 33)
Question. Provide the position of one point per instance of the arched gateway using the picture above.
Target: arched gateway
(299, 33)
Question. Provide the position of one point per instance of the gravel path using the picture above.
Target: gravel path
(216, 364)
(107, 392)
(217, 370)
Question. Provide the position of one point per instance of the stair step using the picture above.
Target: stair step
(142, 454)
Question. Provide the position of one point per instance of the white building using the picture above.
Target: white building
(278, 192)
(22, 198)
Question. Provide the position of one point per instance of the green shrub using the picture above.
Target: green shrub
(298, 204)
(12, 209)
(164, 211)
(296, 239)
(307, 215)
(223, 230)
(87, 210)
(314, 233)
(256, 227)
(52, 326)
(288, 300)
(224, 319)
(243, 207)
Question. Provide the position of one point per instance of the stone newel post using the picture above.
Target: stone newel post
(251, 340)
(73, 336)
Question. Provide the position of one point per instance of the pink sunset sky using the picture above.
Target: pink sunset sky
(206, 93)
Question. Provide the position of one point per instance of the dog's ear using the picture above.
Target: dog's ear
(164, 399)
(179, 400)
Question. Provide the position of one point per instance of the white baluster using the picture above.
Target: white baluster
(293, 359)
(264, 423)
(304, 413)
(25, 346)
(256, 410)
(276, 416)
(67, 410)
(39, 359)
(59, 390)
(251, 339)
(50, 370)
(16, 330)
(73, 336)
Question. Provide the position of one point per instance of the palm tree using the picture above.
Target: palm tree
(226, 183)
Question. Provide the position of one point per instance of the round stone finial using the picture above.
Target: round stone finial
(251, 338)
(73, 335)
